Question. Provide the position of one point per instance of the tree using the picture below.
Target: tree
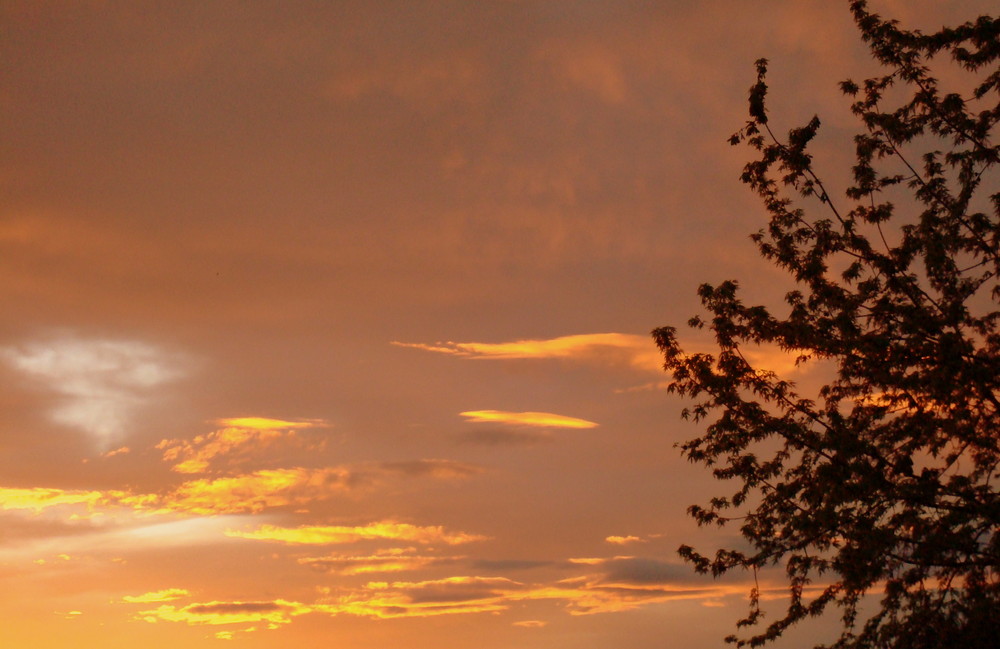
(878, 496)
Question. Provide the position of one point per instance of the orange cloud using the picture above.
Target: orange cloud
(274, 613)
(388, 560)
(334, 534)
(252, 492)
(440, 469)
(541, 419)
(448, 596)
(471, 594)
(38, 499)
(265, 423)
(623, 540)
(166, 595)
(244, 435)
(637, 352)
(255, 491)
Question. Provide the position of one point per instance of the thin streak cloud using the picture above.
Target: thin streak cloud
(631, 350)
(539, 419)
(339, 534)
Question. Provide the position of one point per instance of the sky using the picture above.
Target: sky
(327, 323)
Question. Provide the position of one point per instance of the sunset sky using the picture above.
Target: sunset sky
(326, 324)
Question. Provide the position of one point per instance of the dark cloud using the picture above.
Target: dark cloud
(463, 591)
(636, 570)
(504, 437)
(432, 468)
(502, 565)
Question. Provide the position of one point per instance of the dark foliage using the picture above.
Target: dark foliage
(884, 484)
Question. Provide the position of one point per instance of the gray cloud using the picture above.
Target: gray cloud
(102, 383)
(504, 437)
(638, 570)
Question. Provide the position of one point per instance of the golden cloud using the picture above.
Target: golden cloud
(251, 492)
(245, 435)
(531, 624)
(448, 596)
(471, 594)
(334, 534)
(265, 423)
(637, 352)
(234, 494)
(256, 491)
(541, 419)
(274, 613)
(622, 540)
(439, 469)
(38, 499)
(166, 595)
(388, 560)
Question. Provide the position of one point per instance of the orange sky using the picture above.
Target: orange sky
(326, 323)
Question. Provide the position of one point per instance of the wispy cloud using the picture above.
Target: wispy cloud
(241, 438)
(539, 419)
(433, 468)
(338, 534)
(272, 613)
(637, 352)
(266, 423)
(609, 349)
(165, 595)
(37, 499)
(102, 382)
(256, 491)
(385, 560)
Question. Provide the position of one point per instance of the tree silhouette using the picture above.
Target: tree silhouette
(882, 488)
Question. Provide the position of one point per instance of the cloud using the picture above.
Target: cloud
(102, 382)
(612, 349)
(584, 595)
(239, 493)
(386, 560)
(531, 624)
(254, 492)
(505, 437)
(37, 499)
(623, 540)
(593, 70)
(447, 596)
(266, 423)
(634, 351)
(274, 613)
(337, 534)
(440, 469)
(539, 419)
(621, 584)
(166, 595)
(638, 570)
(122, 450)
(510, 564)
(246, 493)
(241, 438)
